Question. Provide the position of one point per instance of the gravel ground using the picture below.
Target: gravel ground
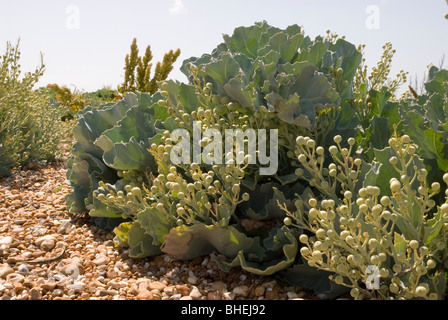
(48, 254)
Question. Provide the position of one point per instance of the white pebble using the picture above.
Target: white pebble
(195, 293)
(192, 280)
(23, 268)
(6, 240)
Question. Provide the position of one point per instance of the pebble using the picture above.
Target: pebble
(23, 268)
(183, 289)
(48, 285)
(242, 291)
(63, 227)
(195, 293)
(156, 285)
(292, 295)
(57, 293)
(46, 243)
(219, 286)
(145, 295)
(5, 271)
(259, 291)
(214, 295)
(35, 293)
(101, 260)
(192, 280)
(6, 240)
(78, 286)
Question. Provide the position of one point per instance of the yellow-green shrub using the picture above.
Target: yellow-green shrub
(30, 129)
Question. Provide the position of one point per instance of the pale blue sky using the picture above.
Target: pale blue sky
(88, 50)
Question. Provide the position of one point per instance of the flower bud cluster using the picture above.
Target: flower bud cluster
(195, 193)
(128, 202)
(341, 174)
(398, 240)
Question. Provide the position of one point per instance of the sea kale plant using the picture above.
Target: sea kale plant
(265, 150)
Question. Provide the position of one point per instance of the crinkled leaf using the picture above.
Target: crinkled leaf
(431, 142)
(141, 244)
(433, 227)
(436, 80)
(188, 242)
(313, 279)
(223, 69)
(281, 243)
(400, 244)
(248, 40)
(156, 224)
(236, 92)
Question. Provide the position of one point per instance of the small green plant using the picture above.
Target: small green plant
(381, 243)
(30, 128)
(137, 75)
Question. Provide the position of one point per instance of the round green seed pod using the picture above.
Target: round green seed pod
(300, 140)
(395, 186)
(423, 250)
(354, 292)
(421, 291)
(433, 296)
(320, 151)
(397, 268)
(303, 238)
(337, 139)
(384, 273)
(373, 243)
(445, 178)
(401, 257)
(287, 221)
(421, 270)
(317, 256)
(341, 268)
(374, 260)
(394, 288)
(382, 256)
(413, 244)
(304, 251)
(444, 208)
(311, 143)
(350, 240)
(440, 245)
(344, 234)
(320, 234)
(339, 279)
(348, 195)
(431, 264)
